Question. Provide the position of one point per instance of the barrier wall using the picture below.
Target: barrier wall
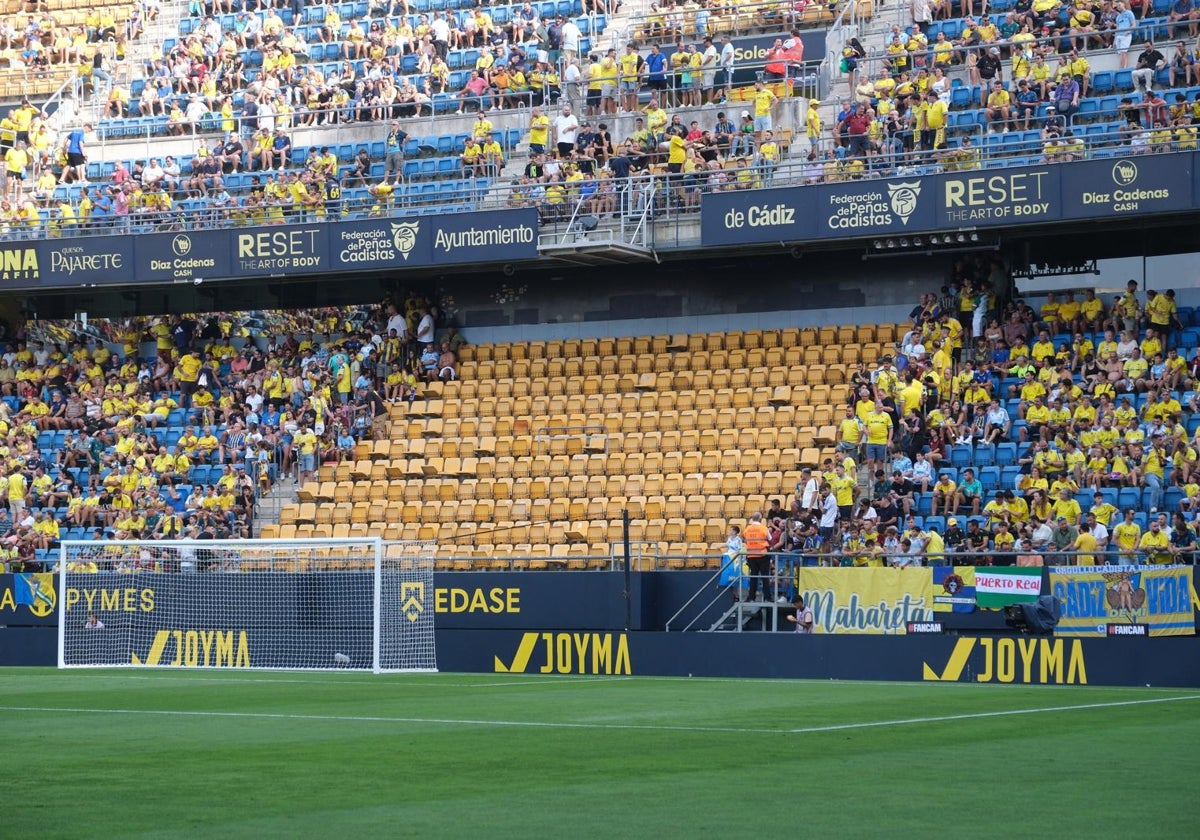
(287, 250)
(990, 659)
(575, 623)
(953, 201)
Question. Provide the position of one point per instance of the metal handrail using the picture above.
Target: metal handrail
(720, 23)
(699, 591)
(500, 196)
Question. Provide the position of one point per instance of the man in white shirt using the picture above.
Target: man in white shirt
(572, 76)
(195, 111)
(829, 516)
(254, 400)
(440, 30)
(425, 329)
(153, 173)
(809, 490)
(922, 13)
(709, 63)
(266, 115)
(570, 36)
(1097, 530)
(397, 322)
(566, 126)
(726, 63)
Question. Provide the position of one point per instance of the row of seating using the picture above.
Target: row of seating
(694, 342)
(362, 10)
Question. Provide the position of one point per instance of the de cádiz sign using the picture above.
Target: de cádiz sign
(945, 201)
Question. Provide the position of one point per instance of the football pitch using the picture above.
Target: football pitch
(200, 754)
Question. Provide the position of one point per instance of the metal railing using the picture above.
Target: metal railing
(645, 197)
(747, 18)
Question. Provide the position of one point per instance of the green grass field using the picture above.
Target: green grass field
(134, 754)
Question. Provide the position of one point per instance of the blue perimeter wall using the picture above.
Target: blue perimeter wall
(575, 623)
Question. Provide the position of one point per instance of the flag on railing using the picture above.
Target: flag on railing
(1001, 586)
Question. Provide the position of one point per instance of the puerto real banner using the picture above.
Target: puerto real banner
(1002, 586)
(870, 600)
(1125, 600)
(965, 588)
(953, 201)
(282, 251)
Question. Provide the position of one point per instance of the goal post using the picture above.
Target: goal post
(318, 604)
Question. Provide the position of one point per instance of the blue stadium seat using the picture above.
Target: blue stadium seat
(1102, 82)
(1128, 497)
(989, 477)
(985, 455)
(1006, 454)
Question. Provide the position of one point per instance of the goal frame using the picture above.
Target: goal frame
(372, 545)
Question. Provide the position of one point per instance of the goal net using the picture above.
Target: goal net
(283, 604)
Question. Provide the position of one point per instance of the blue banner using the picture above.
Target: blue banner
(1131, 185)
(998, 197)
(379, 243)
(483, 237)
(278, 251)
(181, 256)
(951, 201)
(78, 261)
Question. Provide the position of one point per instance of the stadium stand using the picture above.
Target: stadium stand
(982, 428)
(212, 97)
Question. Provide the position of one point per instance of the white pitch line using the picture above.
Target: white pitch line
(531, 681)
(382, 719)
(1006, 713)
(593, 726)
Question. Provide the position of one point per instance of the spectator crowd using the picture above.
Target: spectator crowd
(101, 441)
(1002, 434)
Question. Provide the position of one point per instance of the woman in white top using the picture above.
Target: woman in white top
(940, 85)
(1126, 346)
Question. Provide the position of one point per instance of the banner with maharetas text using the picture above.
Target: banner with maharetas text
(868, 600)
(1125, 600)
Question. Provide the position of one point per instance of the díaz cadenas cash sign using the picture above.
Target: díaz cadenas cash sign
(186, 261)
(1126, 191)
(286, 249)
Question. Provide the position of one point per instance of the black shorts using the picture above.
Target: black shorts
(674, 168)
(75, 159)
(593, 96)
(845, 512)
(657, 84)
(565, 149)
